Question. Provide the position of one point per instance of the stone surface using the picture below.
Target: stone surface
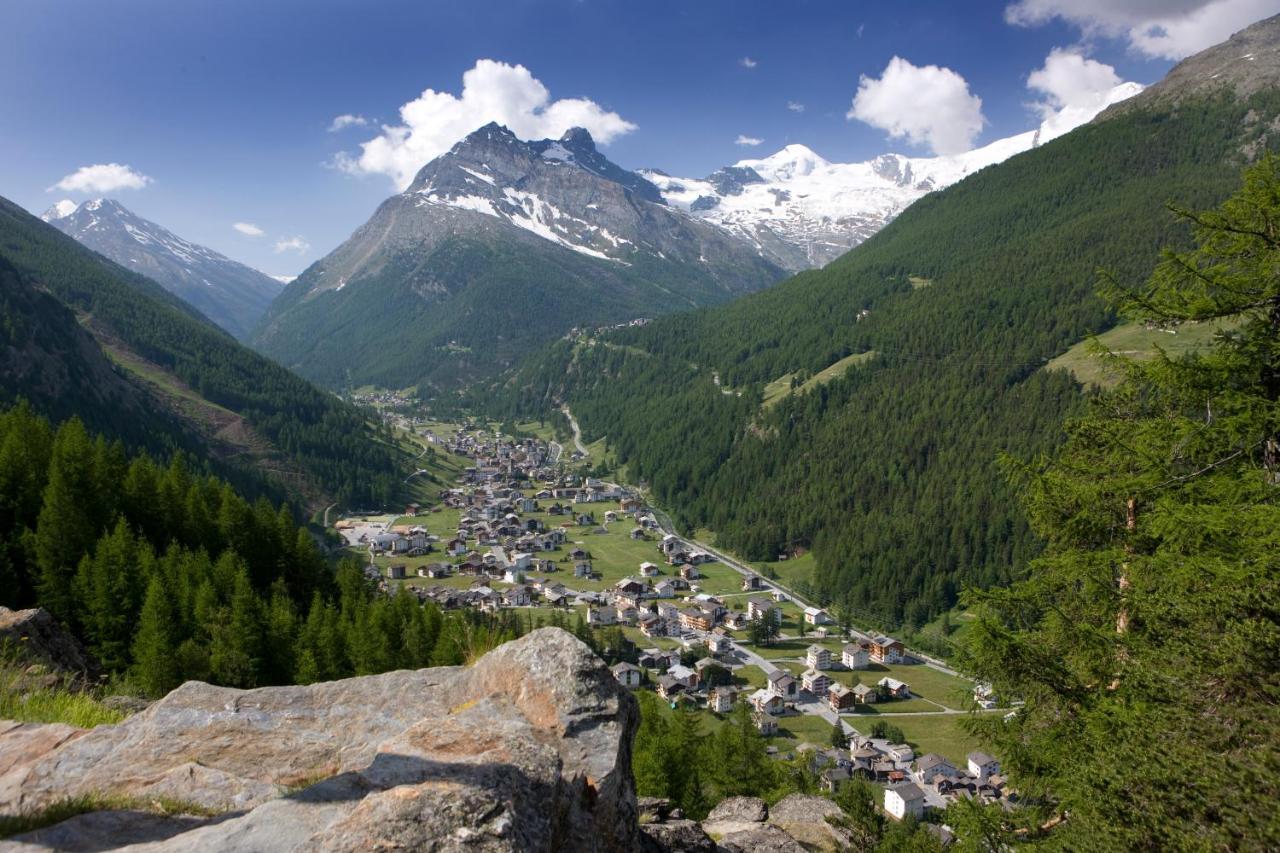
(678, 836)
(804, 818)
(37, 638)
(735, 814)
(763, 838)
(529, 749)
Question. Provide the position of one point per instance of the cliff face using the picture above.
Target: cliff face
(529, 749)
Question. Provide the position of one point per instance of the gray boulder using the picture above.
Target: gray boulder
(735, 814)
(529, 749)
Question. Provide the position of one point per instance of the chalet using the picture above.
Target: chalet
(690, 572)
(887, 650)
(904, 800)
(527, 505)
(582, 569)
(412, 509)
(900, 753)
(816, 682)
(765, 702)
(864, 695)
(664, 589)
(720, 700)
(436, 571)
(670, 543)
(396, 572)
(758, 608)
(982, 767)
(636, 533)
(766, 723)
(668, 611)
(630, 586)
(931, 766)
(719, 644)
(683, 674)
(657, 659)
(628, 674)
(833, 777)
(628, 599)
(652, 625)
(856, 655)
(517, 596)
(737, 620)
(696, 619)
(894, 688)
(816, 616)
(816, 657)
(783, 684)
(513, 575)
(456, 547)
(629, 505)
(839, 697)
(669, 688)
(585, 519)
(780, 596)
(579, 554)
(751, 583)
(602, 616)
(649, 570)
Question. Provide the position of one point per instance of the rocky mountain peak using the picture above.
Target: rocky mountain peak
(1246, 63)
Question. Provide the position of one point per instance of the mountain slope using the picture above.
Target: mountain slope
(802, 211)
(84, 336)
(497, 247)
(229, 293)
(888, 473)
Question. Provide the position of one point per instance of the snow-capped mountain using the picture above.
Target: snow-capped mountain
(497, 246)
(801, 211)
(227, 292)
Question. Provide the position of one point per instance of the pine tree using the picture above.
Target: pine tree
(64, 533)
(236, 656)
(1144, 643)
(154, 652)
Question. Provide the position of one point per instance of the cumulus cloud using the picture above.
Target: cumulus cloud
(346, 120)
(491, 91)
(926, 105)
(1167, 29)
(292, 244)
(101, 178)
(248, 229)
(747, 62)
(1073, 89)
(795, 106)
(743, 139)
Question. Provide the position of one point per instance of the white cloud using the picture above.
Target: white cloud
(346, 120)
(795, 106)
(491, 91)
(1168, 29)
(101, 178)
(747, 62)
(743, 139)
(248, 229)
(292, 244)
(1073, 90)
(927, 105)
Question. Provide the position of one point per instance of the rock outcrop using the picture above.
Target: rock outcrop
(529, 749)
(795, 823)
(34, 638)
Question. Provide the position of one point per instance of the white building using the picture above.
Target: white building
(816, 657)
(982, 766)
(905, 799)
(816, 616)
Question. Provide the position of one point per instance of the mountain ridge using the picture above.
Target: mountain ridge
(231, 294)
(496, 247)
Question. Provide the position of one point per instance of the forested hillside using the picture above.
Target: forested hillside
(175, 381)
(889, 473)
(168, 575)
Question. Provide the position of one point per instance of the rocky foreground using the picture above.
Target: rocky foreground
(529, 749)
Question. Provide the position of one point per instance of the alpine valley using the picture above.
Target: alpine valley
(906, 503)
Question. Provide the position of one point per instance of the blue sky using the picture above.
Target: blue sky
(226, 106)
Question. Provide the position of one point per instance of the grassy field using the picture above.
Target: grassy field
(804, 728)
(1135, 341)
(941, 733)
(917, 282)
(780, 388)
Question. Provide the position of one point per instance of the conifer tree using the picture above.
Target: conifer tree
(1143, 644)
(62, 535)
(156, 665)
